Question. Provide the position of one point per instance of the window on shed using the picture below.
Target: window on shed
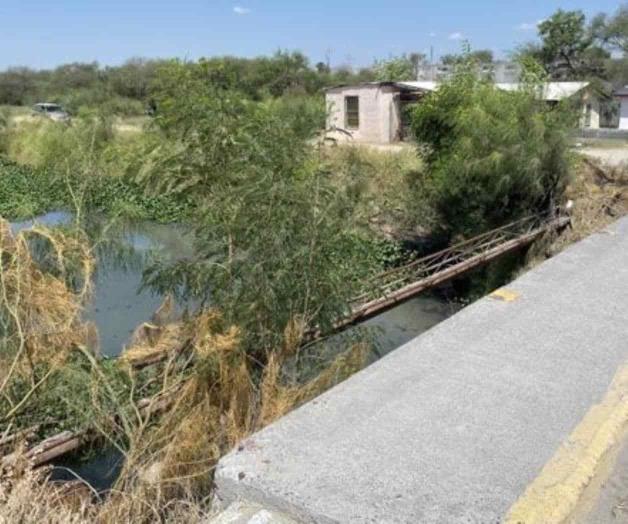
(352, 112)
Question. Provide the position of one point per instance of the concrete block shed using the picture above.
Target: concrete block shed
(371, 112)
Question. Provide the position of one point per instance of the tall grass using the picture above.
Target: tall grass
(83, 167)
(378, 182)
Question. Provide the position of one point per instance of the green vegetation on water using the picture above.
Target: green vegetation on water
(26, 192)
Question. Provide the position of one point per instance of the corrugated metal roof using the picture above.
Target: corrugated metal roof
(425, 85)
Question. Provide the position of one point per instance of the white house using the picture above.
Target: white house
(622, 96)
(374, 112)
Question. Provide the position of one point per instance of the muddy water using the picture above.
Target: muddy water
(119, 305)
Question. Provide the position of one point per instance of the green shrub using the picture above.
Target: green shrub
(270, 224)
(99, 100)
(492, 155)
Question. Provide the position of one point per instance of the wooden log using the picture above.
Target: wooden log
(67, 441)
(54, 447)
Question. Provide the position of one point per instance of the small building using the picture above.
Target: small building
(621, 96)
(371, 112)
(375, 112)
(497, 70)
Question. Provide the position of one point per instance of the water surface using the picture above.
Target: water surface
(119, 303)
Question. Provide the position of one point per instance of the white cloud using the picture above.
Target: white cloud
(456, 36)
(432, 34)
(238, 10)
(527, 26)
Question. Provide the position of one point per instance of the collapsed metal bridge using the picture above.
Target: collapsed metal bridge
(397, 285)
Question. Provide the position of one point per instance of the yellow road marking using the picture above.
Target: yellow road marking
(553, 496)
(506, 295)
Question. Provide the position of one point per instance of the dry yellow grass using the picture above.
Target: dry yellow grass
(600, 196)
(221, 399)
(40, 314)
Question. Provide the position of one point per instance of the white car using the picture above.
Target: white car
(53, 111)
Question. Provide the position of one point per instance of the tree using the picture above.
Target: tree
(17, 86)
(567, 47)
(270, 224)
(417, 59)
(612, 31)
(481, 56)
(133, 78)
(322, 68)
(396, 69)
(76, 76)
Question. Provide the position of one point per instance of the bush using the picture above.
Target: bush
(269, 223)
(492, 155)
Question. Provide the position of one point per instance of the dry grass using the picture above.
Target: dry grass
(28, 497)
(217, 396)
(377, 183)
(600, 196)
(40, 316)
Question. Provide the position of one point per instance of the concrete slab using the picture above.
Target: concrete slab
(454, 425)
(246, 513)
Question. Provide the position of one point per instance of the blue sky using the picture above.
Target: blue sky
(42, 33)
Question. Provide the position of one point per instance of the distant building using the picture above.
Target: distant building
(372, 112)
(499, 71)
(375, 112)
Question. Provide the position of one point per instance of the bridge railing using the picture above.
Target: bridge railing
(421, 268)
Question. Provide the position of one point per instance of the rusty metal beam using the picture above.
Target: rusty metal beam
(489, 251)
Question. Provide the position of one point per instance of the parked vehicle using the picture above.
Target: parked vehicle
(53, 111)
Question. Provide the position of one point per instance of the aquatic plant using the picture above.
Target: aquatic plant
(27, 192)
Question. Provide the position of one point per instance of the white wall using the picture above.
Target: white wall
(623, 113)
(589, 99)
(379, 118)
(594, 120)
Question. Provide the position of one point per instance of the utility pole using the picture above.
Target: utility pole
(328, 53)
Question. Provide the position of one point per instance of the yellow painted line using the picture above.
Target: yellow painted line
(505, 295)
(554, 495)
